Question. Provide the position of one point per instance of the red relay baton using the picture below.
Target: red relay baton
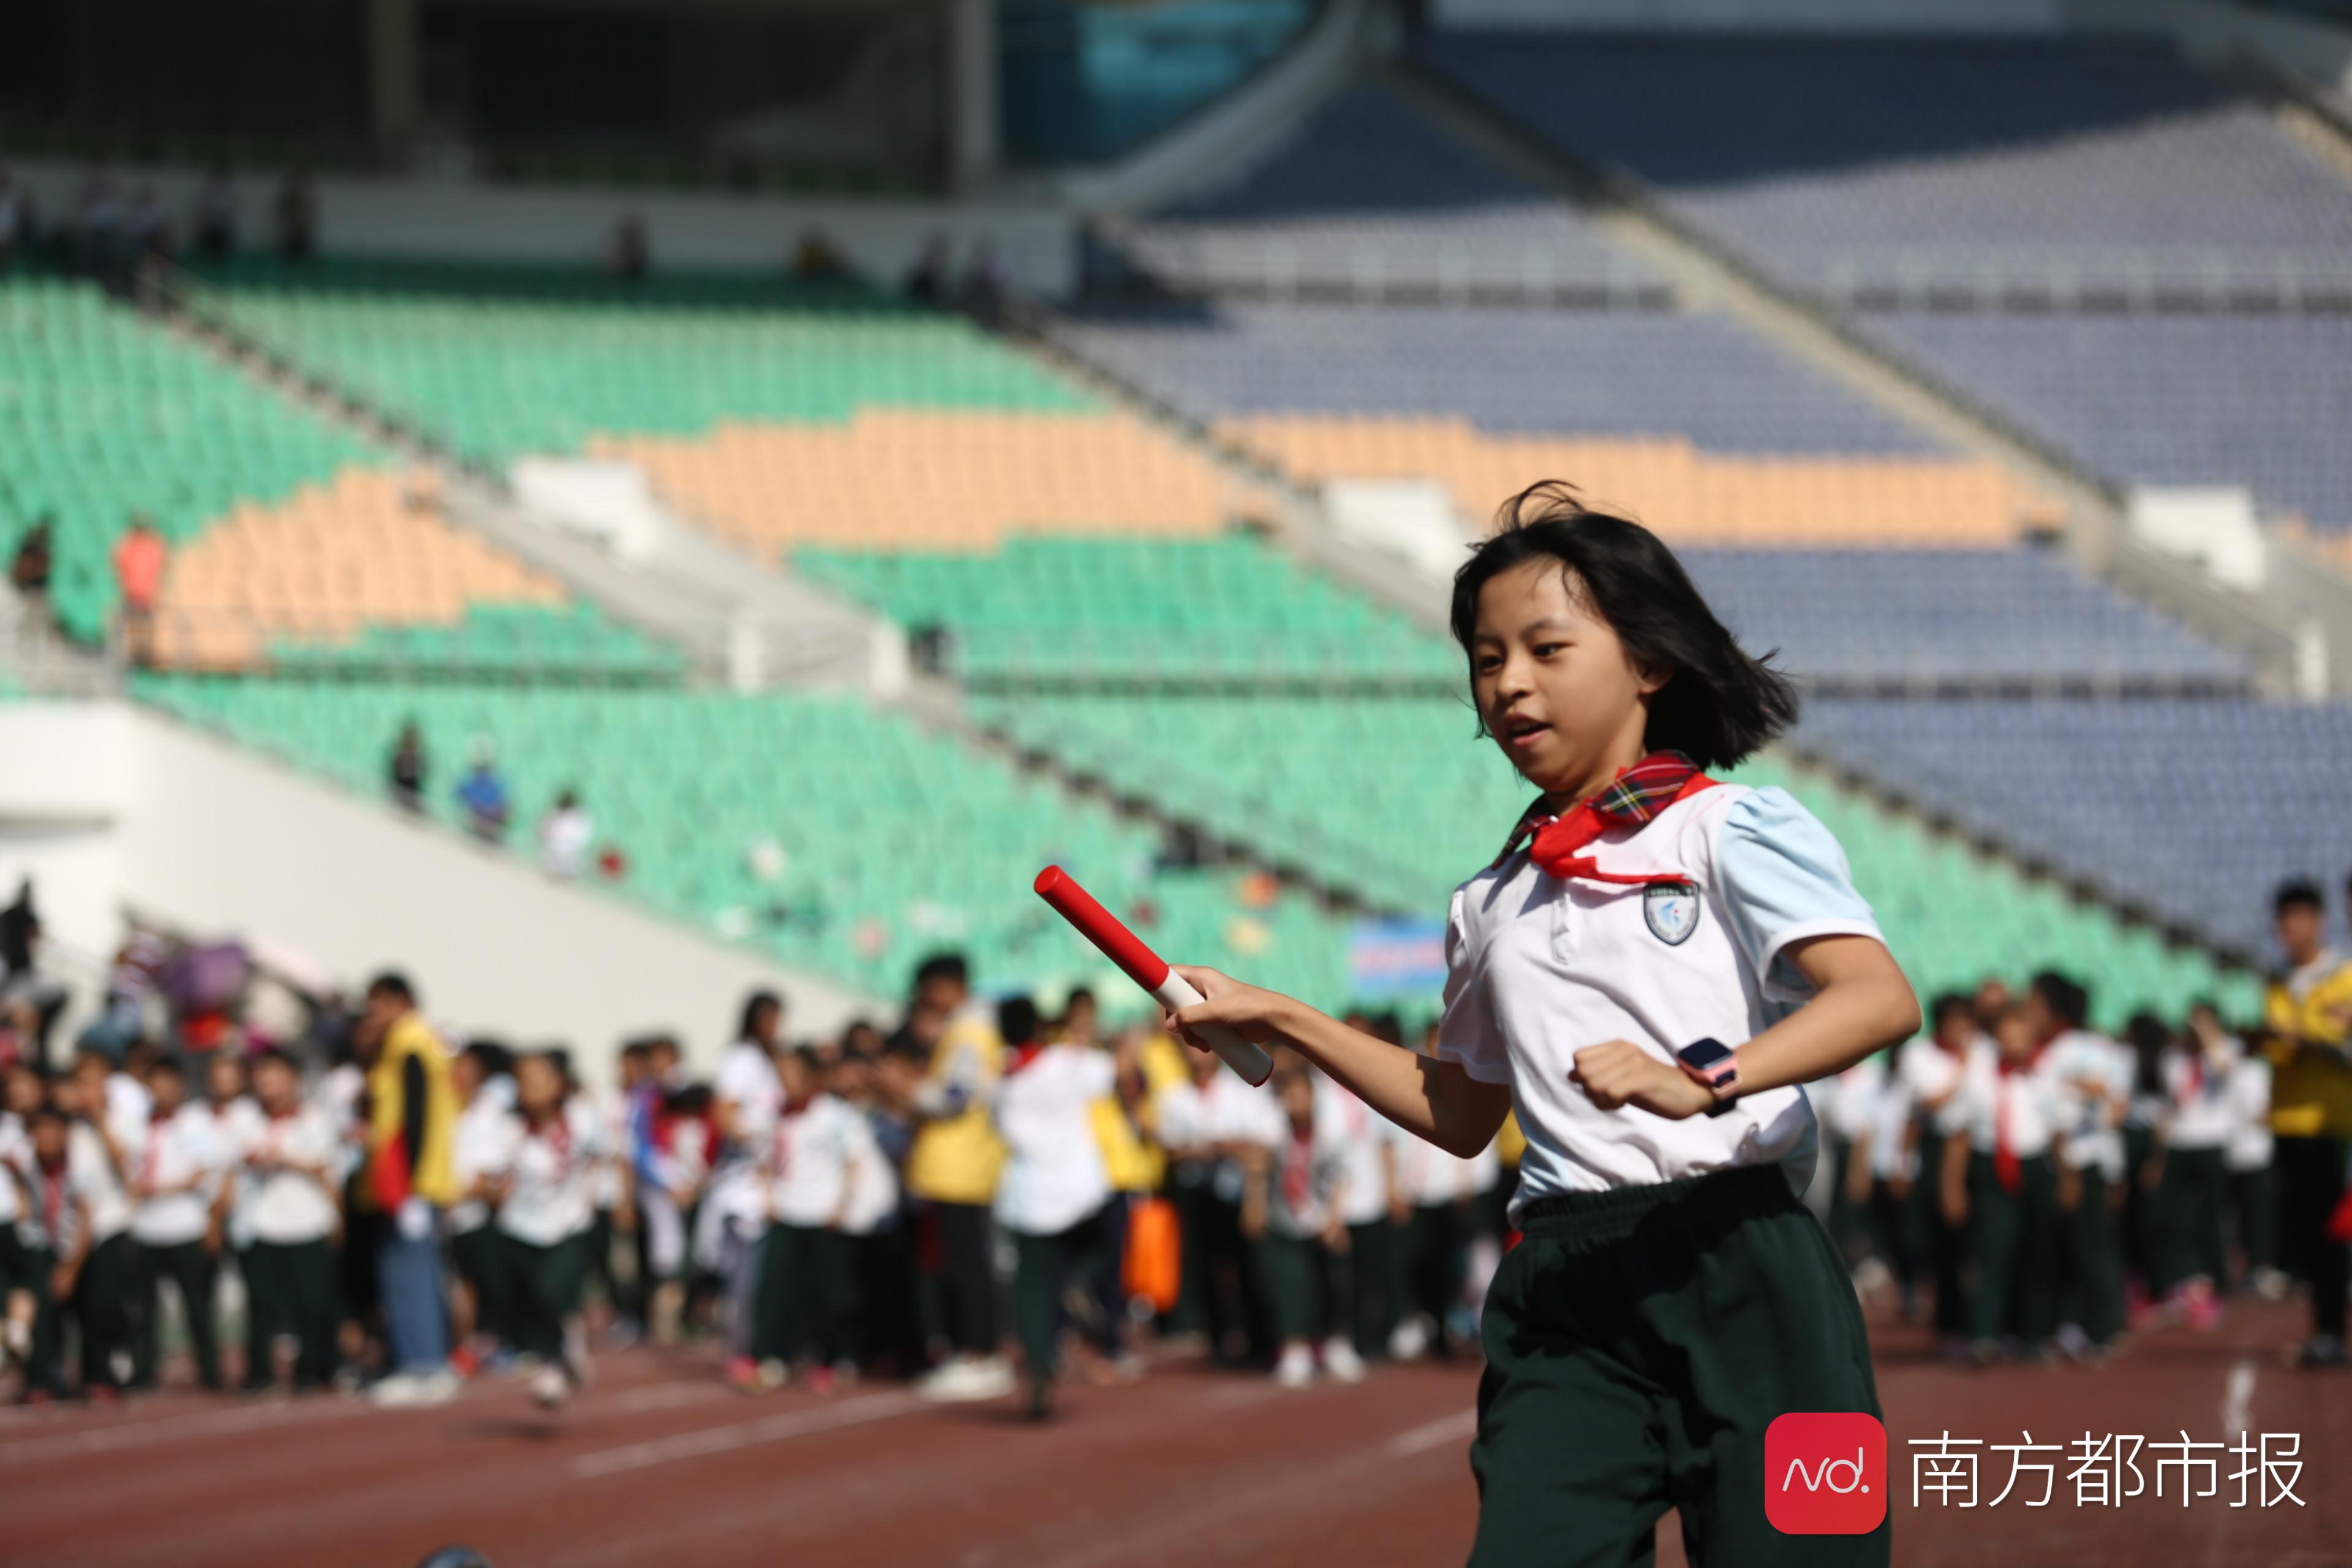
(1147, 969)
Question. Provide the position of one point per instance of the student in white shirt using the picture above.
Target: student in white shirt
(1052, 1188)
(292, 1156)
(232, 1115)
(2090, 1077)
(1212, 1129)
(2253, 1201)
(478, 1150)
(565, 836)
(104, 1128)
(1364, 1308)
(2001, 1181)
(879, 1320)
(53, 1236)
(20, 1291)
(552, 1144)
(1430, 1195)
(1664, 947)
(1933, 1069)
(1293, 1215)
(2193, 1193)
(176, 1184)
(731, 1230)
(812, 1174)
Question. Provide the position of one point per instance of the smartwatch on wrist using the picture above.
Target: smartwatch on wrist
(1712, 1063)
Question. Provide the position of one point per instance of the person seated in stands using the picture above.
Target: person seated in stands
(215, 215)
(295, 218)
(815, 260)
(30, 567)
(928, 279)
(565, 835)
(630, 255)
(139, 557)
(484, 795)
(408, 768)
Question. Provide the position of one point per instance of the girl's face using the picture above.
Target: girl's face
(538, 1087)
(1554, 683)
(223, 1079)
(24, 1092)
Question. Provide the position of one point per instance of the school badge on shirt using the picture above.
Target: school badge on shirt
(1672, 911)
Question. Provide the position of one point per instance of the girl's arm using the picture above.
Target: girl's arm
(1861, 1003)
(1432, 1100)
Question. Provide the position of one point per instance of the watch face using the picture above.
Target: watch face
(1701, 1055)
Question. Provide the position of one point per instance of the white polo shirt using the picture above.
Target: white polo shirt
(291, 1206)
(2250, 1093)
(1537, 969)
(480, 1145)
(2204, 1113)
(551, 1172)
(178, 1147)
(1429, 1177)
(810, 1170)
(97, 1182)
(2028, 1098)
(1364, 1197)
(1054, 1174)
(16, 1156)
(746, 1080)
(1308, 1176)
(233, 1126)
(872, 1183)
(1932, 1076)
(2091, 1125)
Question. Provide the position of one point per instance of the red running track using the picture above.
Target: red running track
(657, 1463)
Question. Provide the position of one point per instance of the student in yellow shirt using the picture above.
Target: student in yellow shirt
(951, 1170)
(2309, 1012)
(412, 1113)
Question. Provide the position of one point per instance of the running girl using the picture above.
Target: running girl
(1649, 972)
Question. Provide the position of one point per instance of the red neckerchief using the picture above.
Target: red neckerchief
(2007, 1169)
(791, 1110)
(556, 1131)
(1022, 1056)
(1634, 796)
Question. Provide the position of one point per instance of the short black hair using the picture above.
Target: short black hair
(276, 1054)
(1016, 1020)
(393, 984)
(172, 1065)
(2298, 893)
(1718, 704)
(1947, 1004)
(948, 966)
(1078, 993)
(2067, 1000)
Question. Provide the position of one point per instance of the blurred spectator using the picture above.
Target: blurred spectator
(139, 557)
(296, 218)
(97, 222)
(981, 290)
(214, 225)
(32, 999)
(179, 1170)
(954, 1167)
(564, 837)
(928, 281)
(484, 796)
(14, 225)
(30, 567)
(630, 255)
(145, 230)
(815, 260)
(409, 768)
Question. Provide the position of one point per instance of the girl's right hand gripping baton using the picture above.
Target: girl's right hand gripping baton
(1147, 969)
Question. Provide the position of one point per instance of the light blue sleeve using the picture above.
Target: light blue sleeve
(1782, 878)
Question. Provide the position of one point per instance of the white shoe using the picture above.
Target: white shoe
(967, 1379)
(438, 1387)
(1410, 1340)
(397, 1391)
(773, 1375)
(1296, 1367)
(1341, 1359)
(550, 1387)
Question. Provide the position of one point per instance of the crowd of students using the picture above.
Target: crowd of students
(2038, 1189)
(408, 1215)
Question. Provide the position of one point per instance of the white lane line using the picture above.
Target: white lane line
(106, 1439)
(1436, 1433)
(745, 1434)
(2239, 1401)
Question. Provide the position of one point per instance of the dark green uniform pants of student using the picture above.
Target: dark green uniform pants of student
(1046, 1268)
(804, 1297)
(191, 1269)
(29, 1269)
(1298, 1276)
(102, 1308)
(2193, 1207)
(2013, 1237)
(2091, 1258)
(542, 1289)
(480, 1263)
(1639, 1342)
(294, 1290)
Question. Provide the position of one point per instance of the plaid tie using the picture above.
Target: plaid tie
(1632, 797)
